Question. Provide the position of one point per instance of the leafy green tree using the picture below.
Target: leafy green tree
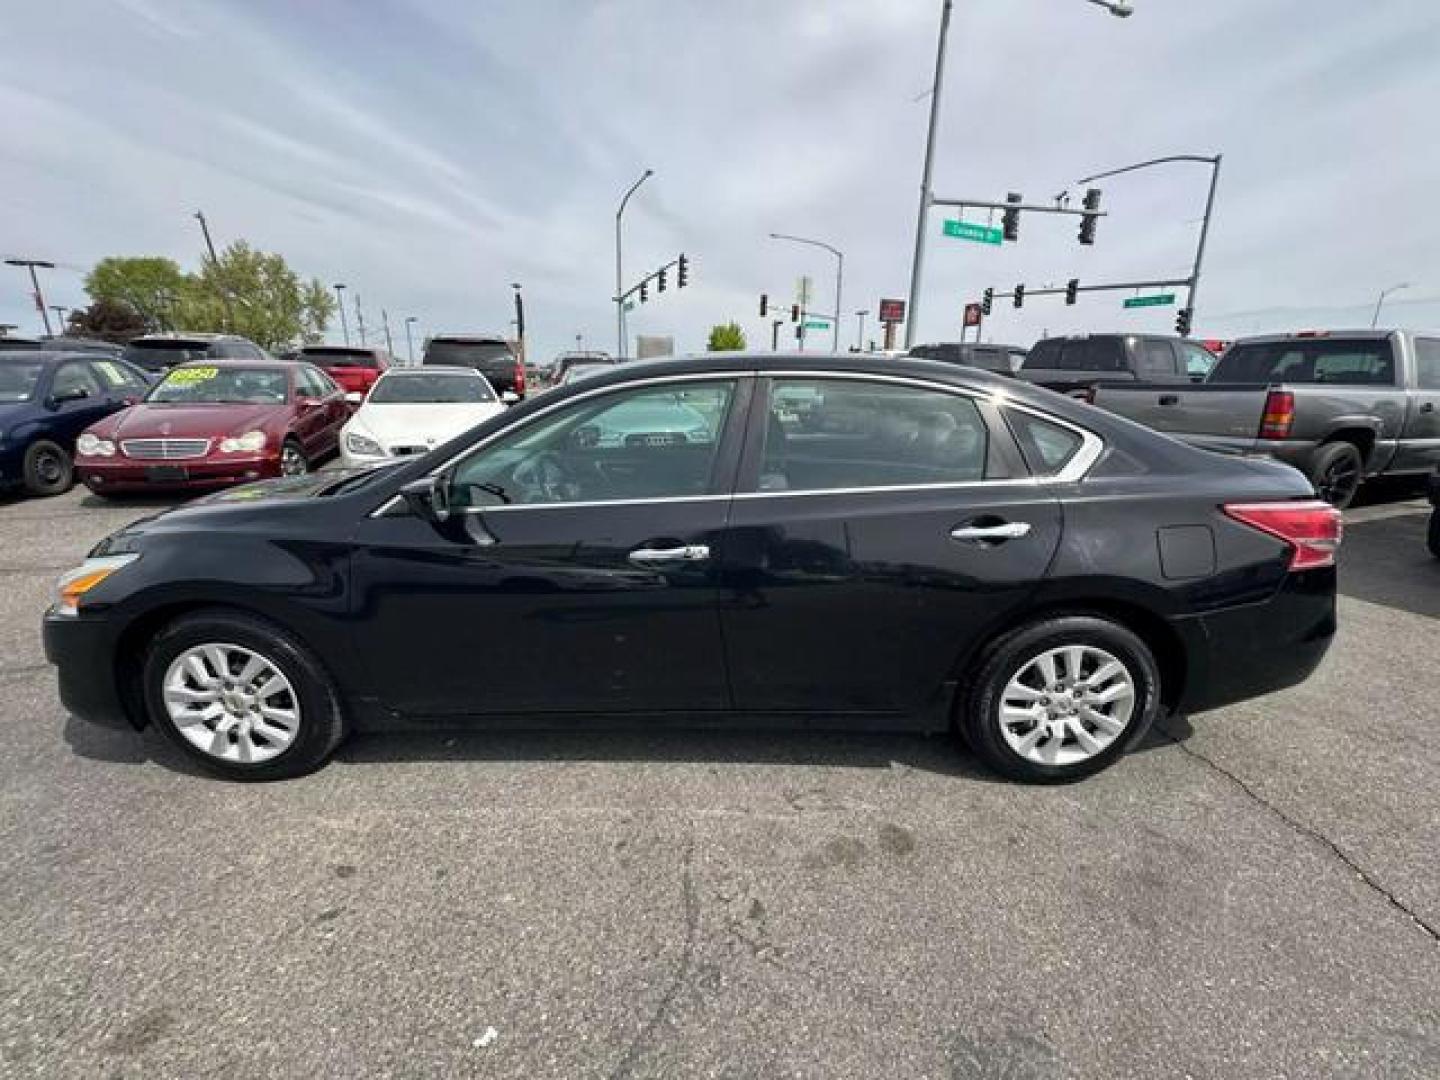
(256, 294)
(149, 285)
(726, 337)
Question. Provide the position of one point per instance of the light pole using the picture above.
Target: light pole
(409, 341)
(359, 319)
(1115, 7)
(59, 315)
(1214, 163)
(215, 262)
(31, 264)
(1374, 319)
(619, 272)
(839, 278)
(860, 331)
(340, 302)
(385, 321)
(519, 319)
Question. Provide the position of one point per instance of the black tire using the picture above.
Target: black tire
(293, 445)
(49, 469)
(978, 705)
(1337, 471)
(321, 725)
(1432, 538)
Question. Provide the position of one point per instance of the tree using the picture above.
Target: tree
(149, 285)
(726, 337)
(107, 320)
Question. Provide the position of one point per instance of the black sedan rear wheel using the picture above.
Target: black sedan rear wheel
(48, 468)
(1060, 699)
(241, 696)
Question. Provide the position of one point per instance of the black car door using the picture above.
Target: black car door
(881, 525)
(576, 572)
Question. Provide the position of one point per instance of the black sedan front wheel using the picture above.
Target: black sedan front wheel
(241, 696)
(1060, 699)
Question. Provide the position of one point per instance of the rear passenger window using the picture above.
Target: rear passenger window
(1427, 363)
(1156, 358)
(827, 434)
(1047, 447)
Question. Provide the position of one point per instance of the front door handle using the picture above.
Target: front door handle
(652, 556)
(1169, 399)
(1428, 406)
(1008, 530)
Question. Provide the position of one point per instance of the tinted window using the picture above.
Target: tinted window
(823, 434)
(75, 378)
(1078, 354)
(1047, 447)
(18, 379)
(214, 384)
(1364, 362)
(644, 443)
(341, 358)
(1427, 363)
(1156, 358)
(476, 354)
(413, 388)
(163, 355)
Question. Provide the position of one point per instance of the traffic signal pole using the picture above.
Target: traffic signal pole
(912, 309)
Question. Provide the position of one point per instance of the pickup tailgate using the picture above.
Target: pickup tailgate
(1216, 416)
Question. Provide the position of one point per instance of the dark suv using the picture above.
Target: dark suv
(491, 356)
(159, 353)
(1076, 363)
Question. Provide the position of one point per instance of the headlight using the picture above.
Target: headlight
(363, 445)
(83, 578)
(249, 443)
(94, 446)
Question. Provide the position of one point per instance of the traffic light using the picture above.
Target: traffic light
(660, 282)
(794, 312)
(1182, 322)
(1090, 219)
(1072, 290)
(644, 294)
(682, 273)
(1019, 296)
(764, 305)
(987, 301)
(1010, 223)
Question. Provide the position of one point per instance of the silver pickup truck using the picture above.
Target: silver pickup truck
(1342, 406)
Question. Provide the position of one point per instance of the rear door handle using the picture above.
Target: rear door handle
(1169, 399)
(1428, 406)
(653, 556)
(1009, 530)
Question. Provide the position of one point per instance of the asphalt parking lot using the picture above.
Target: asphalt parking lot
(1254, 893)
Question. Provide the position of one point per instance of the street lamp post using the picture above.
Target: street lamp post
(839, 278)
(340, 302)
(860, 331)
(409, 341)
(385, 321)
(31, 264)
(1375, 318)
(619, 272)
(519, 319)
(59, 315)
(1201, 159)
(1118, 8)
(359, 320)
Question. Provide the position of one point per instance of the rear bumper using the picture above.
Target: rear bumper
(83, 652)
(104, 475)
(1257, 649)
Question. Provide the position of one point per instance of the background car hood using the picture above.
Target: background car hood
(182, 421)
(422, 424)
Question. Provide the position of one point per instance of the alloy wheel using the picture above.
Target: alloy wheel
(1067, 705)
(231, 703)
(292, 461)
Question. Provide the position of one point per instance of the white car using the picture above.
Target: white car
(411, 411)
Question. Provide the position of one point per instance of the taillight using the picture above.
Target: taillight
(1083, 393)
(1312, 528)
(1279, 415)
(520, 379)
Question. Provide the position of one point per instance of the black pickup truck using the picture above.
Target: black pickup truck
(1340, 406)
(1072, 365)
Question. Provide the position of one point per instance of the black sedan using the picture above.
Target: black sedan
(890, 544)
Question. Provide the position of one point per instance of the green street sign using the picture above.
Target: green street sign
(968, 230)
(815, 324)
(1158, 300)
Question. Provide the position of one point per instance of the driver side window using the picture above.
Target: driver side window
(651, 442)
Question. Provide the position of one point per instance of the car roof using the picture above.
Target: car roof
(1316, 335)
(471, 339)
(356, 350)
(432, 369)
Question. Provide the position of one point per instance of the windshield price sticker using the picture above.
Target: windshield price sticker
(192, 374)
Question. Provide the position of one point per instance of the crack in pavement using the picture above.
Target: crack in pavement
(1305, 830)
(682, 968)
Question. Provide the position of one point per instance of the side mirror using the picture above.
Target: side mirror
(509, 397)
(354, 397)
(77, 394)
(308, 403)
(428, 498)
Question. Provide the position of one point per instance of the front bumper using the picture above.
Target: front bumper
(1244, 652)
(122, 475)
(83, 652)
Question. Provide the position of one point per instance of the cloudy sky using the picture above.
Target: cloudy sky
(430, 152)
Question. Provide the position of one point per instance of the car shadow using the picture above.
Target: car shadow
(133, 502)
(1385, 561)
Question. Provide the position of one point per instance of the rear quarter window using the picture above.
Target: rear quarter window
(1048, 447)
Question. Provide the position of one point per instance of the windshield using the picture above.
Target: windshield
(18, 380)
(582, 371)
(1363, 362)
(351, 358)
(476, 354)
(211, 384)
(414, 389)
(163, 355)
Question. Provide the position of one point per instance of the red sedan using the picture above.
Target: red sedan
(354, 367)
(212, 424)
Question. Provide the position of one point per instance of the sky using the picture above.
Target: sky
(428, 153)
